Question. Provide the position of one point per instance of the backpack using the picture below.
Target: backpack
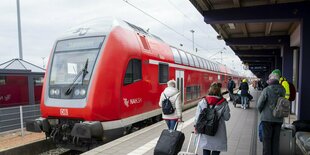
(208, 122)
(292, 91)
(282, 108)
(167, 106)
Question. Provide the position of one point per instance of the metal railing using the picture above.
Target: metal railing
(13, 118)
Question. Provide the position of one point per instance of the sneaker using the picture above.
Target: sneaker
(242, 106)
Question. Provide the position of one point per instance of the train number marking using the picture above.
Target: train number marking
(64, 112)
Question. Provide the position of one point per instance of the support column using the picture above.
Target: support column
(287, 62)
(278, 63)
(304, 74)
(31, 89)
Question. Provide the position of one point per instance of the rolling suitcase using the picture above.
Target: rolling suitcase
(189, 143)
(170, 142)
(287, 140)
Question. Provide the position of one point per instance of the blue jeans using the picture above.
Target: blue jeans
(171, 124)
(244, 100)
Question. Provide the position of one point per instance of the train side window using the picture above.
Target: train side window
(2, 80)
(196, 61)
(205, 62)
(163, 72)
(188, 93)
(190, 59)
(202, 65)
(212, 66)
(133, 72)
(176, 55)
(209, 65)
(184, 58)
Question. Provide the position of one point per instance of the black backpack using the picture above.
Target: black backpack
(167, 106)
(207, 122)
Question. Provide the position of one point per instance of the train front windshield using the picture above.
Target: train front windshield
(73, 63)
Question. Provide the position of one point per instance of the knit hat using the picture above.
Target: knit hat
(274, 76)
(276, 71)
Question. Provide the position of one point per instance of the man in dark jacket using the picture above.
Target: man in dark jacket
(230, 86)
(271, 125)
(244, 87)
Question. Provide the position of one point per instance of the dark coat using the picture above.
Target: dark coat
(244, 87)
(268, 99)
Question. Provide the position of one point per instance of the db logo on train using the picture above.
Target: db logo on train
(64, 112)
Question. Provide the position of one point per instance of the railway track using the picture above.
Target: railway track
(47, 147)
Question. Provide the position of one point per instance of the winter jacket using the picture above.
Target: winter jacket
(244, 87)
(174, 95)
(231, 85)
(286, 86)
(268, 100)
(218, 142)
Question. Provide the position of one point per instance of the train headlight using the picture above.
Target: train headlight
(57, 92)
(82, 92)
(52, 91)
(76, 92)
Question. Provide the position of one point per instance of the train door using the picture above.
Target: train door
(179, 75)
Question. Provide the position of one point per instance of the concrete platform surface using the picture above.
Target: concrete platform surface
(241, 132)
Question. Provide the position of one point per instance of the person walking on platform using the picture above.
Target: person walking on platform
(244, 87)
(230, 86)
(172, 94)
(271, 125)
(217, 143)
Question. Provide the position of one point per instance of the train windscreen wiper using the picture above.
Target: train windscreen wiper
(83, 72)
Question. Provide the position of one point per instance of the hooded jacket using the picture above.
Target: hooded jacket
(267, 101)
(174, 95)
(218, 142)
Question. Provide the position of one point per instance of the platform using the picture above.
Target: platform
(241, 132)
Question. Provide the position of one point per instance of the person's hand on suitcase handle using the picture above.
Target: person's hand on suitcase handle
(180, 119)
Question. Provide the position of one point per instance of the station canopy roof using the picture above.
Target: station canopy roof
(254, 29)
(21, 65)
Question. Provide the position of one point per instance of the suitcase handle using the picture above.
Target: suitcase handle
(176, 124)
(190, 140)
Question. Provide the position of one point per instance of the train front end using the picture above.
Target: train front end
(67, 108)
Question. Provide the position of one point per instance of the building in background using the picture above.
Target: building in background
(20, 83)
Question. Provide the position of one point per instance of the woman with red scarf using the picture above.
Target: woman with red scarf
(217, 143)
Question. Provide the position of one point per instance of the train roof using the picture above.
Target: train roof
(102, 26)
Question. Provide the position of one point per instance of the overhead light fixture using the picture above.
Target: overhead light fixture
(231, 25)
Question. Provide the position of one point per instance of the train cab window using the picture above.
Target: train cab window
(190, 59)
(184, 58)
(2, 80)
(196, 61)
(133, 72)
(176, 56)
(163, 73)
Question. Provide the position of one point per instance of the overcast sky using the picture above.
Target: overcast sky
(43, 21)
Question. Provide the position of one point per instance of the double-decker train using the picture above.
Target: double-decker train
(106, 75)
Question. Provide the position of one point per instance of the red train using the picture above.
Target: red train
(104, 76)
